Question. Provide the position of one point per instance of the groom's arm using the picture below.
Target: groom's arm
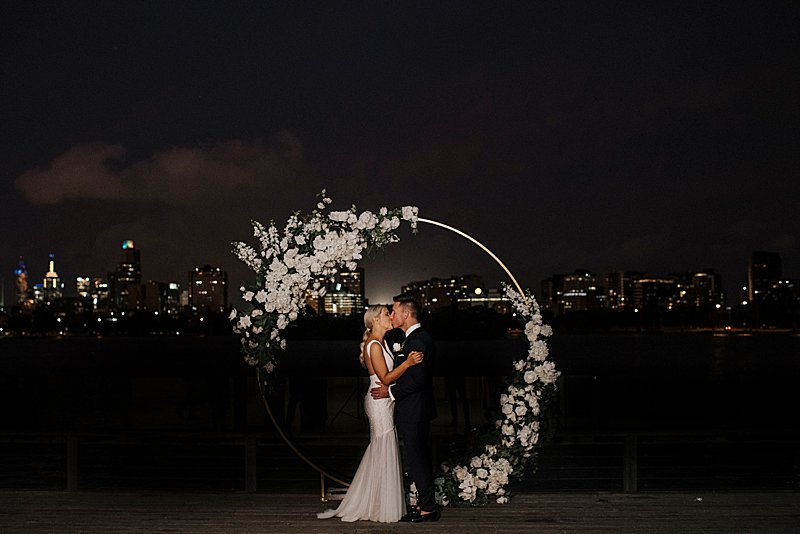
(417, 377)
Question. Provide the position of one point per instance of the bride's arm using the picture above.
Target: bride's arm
(379, 364)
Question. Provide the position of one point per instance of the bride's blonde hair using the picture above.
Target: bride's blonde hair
(370, 315)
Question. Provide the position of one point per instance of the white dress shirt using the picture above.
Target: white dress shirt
(410, 329)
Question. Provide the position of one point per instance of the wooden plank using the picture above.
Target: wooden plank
(157, 512)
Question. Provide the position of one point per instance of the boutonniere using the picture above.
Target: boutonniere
(397, 347)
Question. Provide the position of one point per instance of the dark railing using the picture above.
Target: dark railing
(626, 462)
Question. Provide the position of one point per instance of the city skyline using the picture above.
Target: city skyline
(745, 288)
(561, 136)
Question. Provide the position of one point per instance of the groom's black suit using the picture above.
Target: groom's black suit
(414, 409)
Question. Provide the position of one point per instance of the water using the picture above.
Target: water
(648, 382)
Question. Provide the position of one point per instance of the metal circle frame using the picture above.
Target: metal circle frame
(324, 474)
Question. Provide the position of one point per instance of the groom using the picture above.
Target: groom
(414, 405)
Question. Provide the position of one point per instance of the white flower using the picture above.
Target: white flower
(248, 296)
(232, 316)
(397, 347)
(521, 410)
(283, 322)
(339, 216)
(256, 312)
(410, 213)
(476, 462)
(530, 377)
(366, 221)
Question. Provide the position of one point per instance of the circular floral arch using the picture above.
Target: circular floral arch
(292, 265)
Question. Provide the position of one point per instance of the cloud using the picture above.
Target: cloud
(175, 176)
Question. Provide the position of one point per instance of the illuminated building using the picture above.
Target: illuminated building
(99, 293)
(83, 286)
(21, 285)
(579, 291)
(438, 293)
(652, 293)
(208, 289)
(493, 299)
(618, 290)
(566, 293)
(37, 294)
(126, 279)
(53, 287)
(345, 294)
(161, 297)
(706, 289)
(764, 270)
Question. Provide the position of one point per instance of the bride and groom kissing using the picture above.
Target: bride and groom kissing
(400, 401)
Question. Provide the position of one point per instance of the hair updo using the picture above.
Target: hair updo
(372, 313)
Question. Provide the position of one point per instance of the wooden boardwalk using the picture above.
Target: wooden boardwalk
(154, 512)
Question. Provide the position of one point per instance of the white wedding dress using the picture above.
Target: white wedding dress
(376, 493)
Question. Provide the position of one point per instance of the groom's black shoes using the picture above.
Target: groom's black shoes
(433, 516)
(411, 517)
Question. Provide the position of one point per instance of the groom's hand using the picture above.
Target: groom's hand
(381, 391)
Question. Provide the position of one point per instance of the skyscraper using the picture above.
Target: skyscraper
(208, 289)
(617, 290)
(763, 271)
(83, 286)
(53, 287)
(126, 279)
(21, 283)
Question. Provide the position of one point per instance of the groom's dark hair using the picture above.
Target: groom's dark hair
(410, 303)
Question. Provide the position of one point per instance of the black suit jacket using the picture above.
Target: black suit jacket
(413, 392)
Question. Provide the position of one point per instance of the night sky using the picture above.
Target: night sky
(605, 137)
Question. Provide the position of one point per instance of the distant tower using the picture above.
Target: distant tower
(83, 285)
(208, 289)
(21, 282)
(127, 278)
(617, 290)
(53, 288)
(763, 271)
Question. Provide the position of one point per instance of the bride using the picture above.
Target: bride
(376, 493)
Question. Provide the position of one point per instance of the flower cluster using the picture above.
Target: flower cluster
(297, 263)
(515, 435)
